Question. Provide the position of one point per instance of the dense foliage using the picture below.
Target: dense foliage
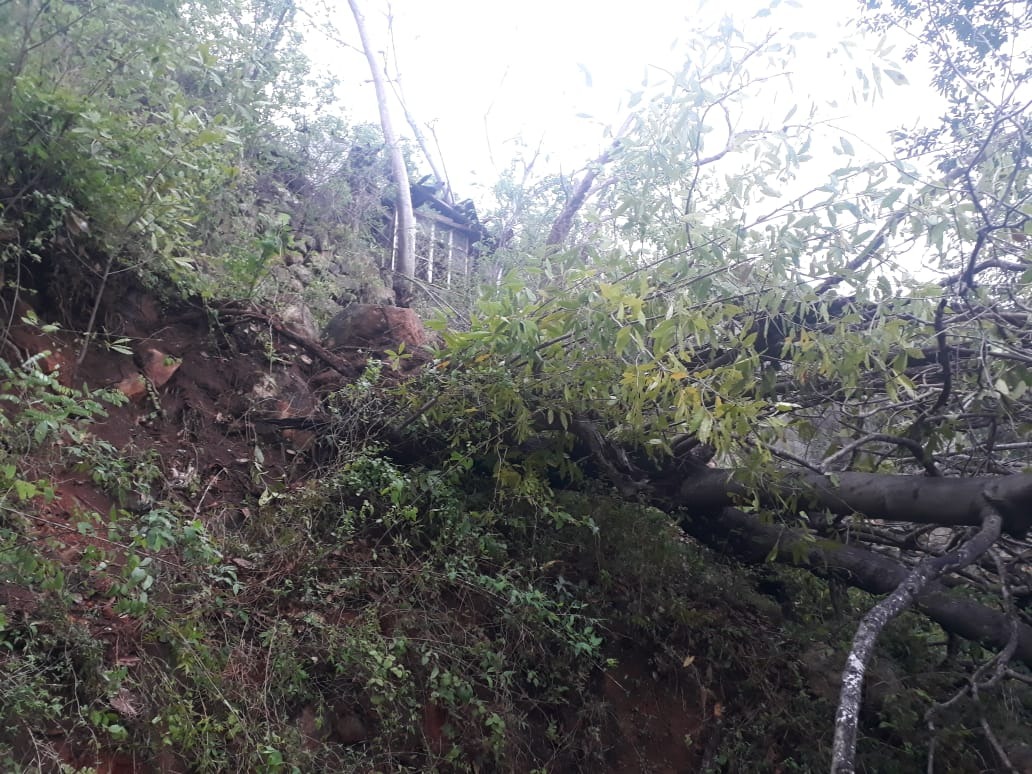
(658, 458)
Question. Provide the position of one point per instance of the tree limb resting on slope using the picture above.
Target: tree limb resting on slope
(750, 540)
(950, 502)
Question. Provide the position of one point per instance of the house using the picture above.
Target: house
(449, 237)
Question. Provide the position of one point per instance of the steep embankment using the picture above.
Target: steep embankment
(223, 559)
(221, 572)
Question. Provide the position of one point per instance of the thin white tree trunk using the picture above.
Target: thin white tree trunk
(843, 753)
(405, 221)
(436, 163)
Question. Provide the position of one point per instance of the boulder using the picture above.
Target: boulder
(369, 325)
(134, 387)
(284, 394)
(297, 316)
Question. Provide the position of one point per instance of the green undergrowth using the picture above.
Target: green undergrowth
(382, 616)
(376, 617)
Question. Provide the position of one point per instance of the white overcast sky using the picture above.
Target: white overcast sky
(489, 74)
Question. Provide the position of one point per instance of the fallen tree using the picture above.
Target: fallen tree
(703, 501)
(870, 426)
(749, 539)
(946, 502)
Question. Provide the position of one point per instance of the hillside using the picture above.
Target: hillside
(224, 566)
(674, 463)
(227, 561)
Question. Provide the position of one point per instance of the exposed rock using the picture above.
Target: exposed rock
(822, 669)
(320, 271)
(312, 726)
(302, 274)
(283, 279)
(31, 339)
(140, 307)
(284, 394)
(323, 262)
(342, 723)
(366, 325)
(297, 316)
(299, 440)
(134, 387)
(55, 362)
(379, 294)
(125, 703)
(355, 278)
(349, 728)
(158, 366)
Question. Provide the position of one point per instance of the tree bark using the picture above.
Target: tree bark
(847, 718)
(564, 222)
(750, 540)
(951, 502)
(404, 218)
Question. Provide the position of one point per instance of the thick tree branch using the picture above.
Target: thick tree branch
(612, 458)
(748, 539)
(953, 502)
(564, 222)
(705, 497)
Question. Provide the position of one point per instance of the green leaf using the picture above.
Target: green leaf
(623, 338)
(24, 490)
(891, 198)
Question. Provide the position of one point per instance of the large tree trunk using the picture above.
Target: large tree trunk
(750, 540)
(404, 219)
(950, 502)
(704, 501)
